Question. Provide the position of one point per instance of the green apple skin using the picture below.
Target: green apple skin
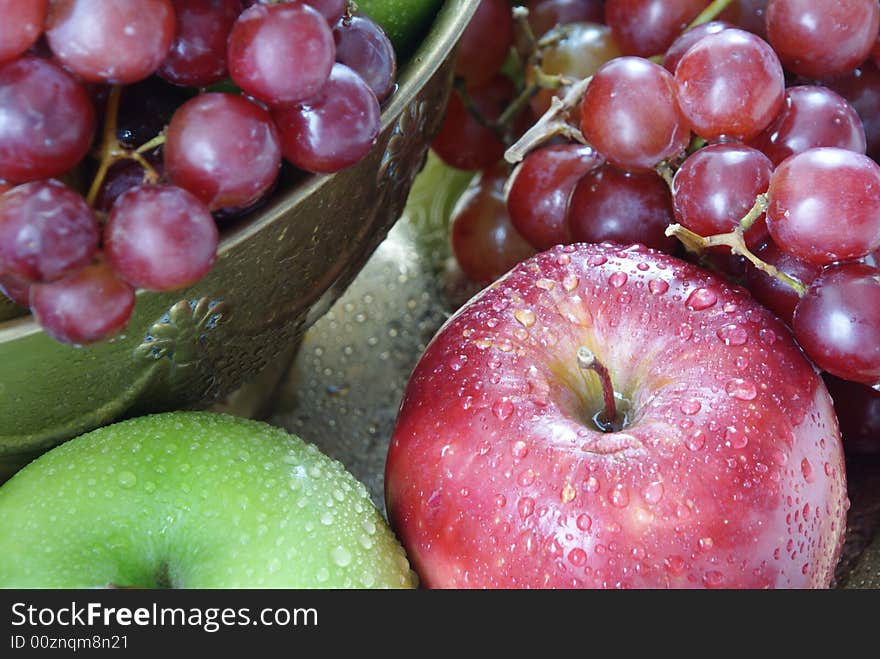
(404, 21)
(193, 500)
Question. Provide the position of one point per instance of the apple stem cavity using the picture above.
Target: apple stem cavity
(735, 240)
(606, 420)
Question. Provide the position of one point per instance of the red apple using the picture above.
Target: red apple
(725, 468)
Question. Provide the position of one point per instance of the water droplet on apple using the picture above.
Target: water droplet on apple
(500, 501)
(520, 449)
(620, 496)
(525, 507)
(577, 556)
(527, 477)
(126, 479)
(502, 409)
(653, 493)
(713, 579)
(591, 484)
(741, 389)
(767, 336)
(545, 284)
(596, 260)
(568, 493)
(779, 457)
(563, 259)
(322, 575)
(657, 286)
(273, 566)
(327, 518)
(695, 441)
(617, 279)
(685, 331)
(340, 556)
(570, 282)
(690, 407)
(807, 470)
(525, 317)
(701, 298)
(735, 438)
(829, 470)
(733, 335)
(706, 543)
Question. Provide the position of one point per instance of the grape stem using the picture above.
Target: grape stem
(735, 240)
(710, 13)
(553, 122)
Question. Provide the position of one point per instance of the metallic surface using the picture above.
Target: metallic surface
(275, 275)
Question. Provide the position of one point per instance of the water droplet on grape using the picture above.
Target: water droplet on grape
(701, 298)
(733, 335)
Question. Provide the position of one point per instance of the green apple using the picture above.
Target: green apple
(404, 21)
(193, 500)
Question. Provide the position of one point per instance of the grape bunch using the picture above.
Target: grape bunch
(131, 128)
(742, 134)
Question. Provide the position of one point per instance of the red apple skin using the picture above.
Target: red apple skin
(728, 474)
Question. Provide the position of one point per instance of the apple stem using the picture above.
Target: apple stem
(587, 361)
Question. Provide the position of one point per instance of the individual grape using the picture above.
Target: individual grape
(821, 38)
(777, 296)
(687, 39)
(749, 15)
(332, 10)
(47, 120)
(837, 322)
(630, 115)
(729, 85)
(123, 175)
(485, 43)
(281, 54)
(824, 205)
(575, 51)
(861, 89)
(858, 410)
(463, 141)
(648, 27)
(537, 200)
(16, 289)
(21, 26)
(47, 231)
(365, 48)
(484, 242)
(610, 205)
(717, 186)
(544, 15)
(224, 149)
(85, 307)
(333, 130)
(160, 237)
(145, 108)
(811, 116)
(197, 56)
(117, 42)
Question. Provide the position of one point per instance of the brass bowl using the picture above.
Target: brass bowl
(276, 273)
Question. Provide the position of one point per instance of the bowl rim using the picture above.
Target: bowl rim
(448, 24)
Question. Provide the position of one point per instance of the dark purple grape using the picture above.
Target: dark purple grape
(365, 48)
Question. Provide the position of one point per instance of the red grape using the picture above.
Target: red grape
(484, 242)
(544, 15)
(118, 42)
(160, 238)
(730, 85)
(648, 27)
(825, 205)
(821, 38)
(333, 130)
(861, 89)
(197, 56)
(85, 307)
(574, 51)
(47, 120)
(47, 231)
(811, 116)
(687, 39)
(145, 108)
(630, 115)
(716, 186)
(858, 411)
(16, 289)
(224, 149)
(463, 141)
(365, 48)
(540, 190)
(22, 24)
(837, 322)
(281, 54)
(123, 175)
(485, 42)
(777, 296)
(610, 205)
(750, 15)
